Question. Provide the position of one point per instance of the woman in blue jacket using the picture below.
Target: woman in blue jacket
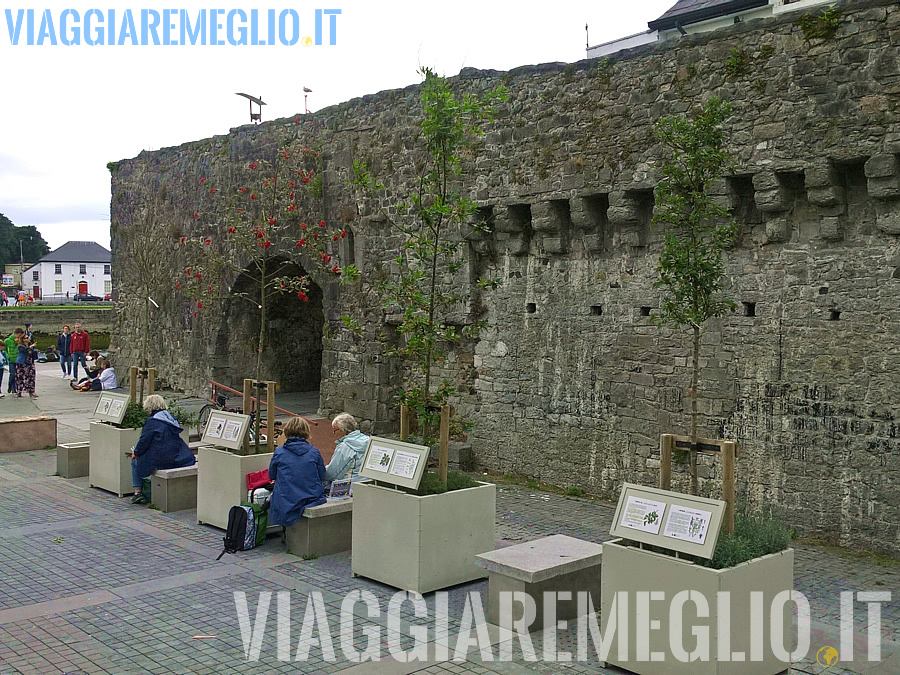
(159, 447)
(298, 471)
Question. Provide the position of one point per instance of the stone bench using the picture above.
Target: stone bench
(27, 433)
(557, 563)
(73, 460)
(175, 489)
(322, 530)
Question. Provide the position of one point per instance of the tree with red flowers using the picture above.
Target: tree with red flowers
(254, 228)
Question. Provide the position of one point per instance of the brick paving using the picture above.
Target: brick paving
(91, 584)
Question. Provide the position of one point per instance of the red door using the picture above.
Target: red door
(82, 287)
(36, 292)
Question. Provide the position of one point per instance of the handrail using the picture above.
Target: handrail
(219, 385)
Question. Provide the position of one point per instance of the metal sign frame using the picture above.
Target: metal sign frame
(221, 431)
(395, 462)
(670, 525)
(110, 407)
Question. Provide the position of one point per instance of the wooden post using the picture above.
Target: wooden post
(151, 381)
(445, 443)
(404, 422)
(666, 441)
(270, 416)
(248, 408)
(728, 454)
(132, 383)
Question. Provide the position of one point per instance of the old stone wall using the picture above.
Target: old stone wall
(571, 382)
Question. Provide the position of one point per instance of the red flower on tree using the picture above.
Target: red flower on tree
(198, 275)
(196, 215)
(301, 243)
(343, 234)
(322, 223)
(272, 221)
(253, 165)
(202, 181)
(231, 230)
(303, 226)
(212, 191)
(253, 195)
(302, 296)
(207, 241)
(182, 240)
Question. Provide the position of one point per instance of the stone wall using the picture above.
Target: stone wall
(51, 321)
(571, 382)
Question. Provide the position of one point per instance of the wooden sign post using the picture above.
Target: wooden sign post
(145, 376)
(729, 451)
(253, 392)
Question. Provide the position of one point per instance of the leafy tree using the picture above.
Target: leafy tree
(691, 268)
(430, 220)
(255, 231)
(33, 246)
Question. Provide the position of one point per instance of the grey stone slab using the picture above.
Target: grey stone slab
(542, 559)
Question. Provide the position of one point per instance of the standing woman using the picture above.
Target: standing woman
(25, 366)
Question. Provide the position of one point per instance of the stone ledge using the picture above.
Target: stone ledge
(27, 433)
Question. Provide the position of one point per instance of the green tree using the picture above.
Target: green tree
(430, 220)
(691, 267)
(33, 247)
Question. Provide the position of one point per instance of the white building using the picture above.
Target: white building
(700, 16)
(75, 267)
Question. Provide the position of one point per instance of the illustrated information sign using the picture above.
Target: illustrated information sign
(110, 407)
(226, 429)
(643, 514)
(396, 462)
(667, 519)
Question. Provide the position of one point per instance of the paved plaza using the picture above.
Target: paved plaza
(92, 584)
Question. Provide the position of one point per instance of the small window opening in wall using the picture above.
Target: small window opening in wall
(834, 315)
(823, 290)
(596, 310)
(531, 308)
(645, 311)
(749, 308)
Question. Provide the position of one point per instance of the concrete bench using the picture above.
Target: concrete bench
(175, 489)
(557, 563)
(322, 530)
(73, 460)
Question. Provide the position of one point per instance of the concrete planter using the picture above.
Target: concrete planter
(632, 570)
(109, 468)
(222, 482)
(422, 544)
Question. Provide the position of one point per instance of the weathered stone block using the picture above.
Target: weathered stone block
(765, 180)
(888, 219)
(825, 196)
(772, 201)
(544, 218)
(593, 242)
(518, 245)
(831, 228)
(882, 166)
(778, 229)
(555, 245)
(623, 209)
(821, 176)
(884, 188)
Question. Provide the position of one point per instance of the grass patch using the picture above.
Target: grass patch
(308, 557)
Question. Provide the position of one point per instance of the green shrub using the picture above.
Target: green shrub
(737, 63)
(820, 26)
(431, 483)
(755, 535)
(135, 416)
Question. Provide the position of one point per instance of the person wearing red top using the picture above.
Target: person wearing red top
(81, 345)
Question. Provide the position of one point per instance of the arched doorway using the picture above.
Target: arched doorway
(294, 331)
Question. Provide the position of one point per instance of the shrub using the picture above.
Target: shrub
(754, 535)
(431, 483)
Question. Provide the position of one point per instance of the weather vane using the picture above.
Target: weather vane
(254, 117)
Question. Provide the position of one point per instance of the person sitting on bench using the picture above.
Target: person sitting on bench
(298, 471)
(348, 453)
(159, 447)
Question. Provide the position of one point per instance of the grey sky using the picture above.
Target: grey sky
(68, 110)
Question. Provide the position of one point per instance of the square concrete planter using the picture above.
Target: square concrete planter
(222, 482)
(422, 544)
(109, 468)
(632, 570)
(73, 460)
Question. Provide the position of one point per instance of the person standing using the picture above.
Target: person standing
(81, 345)
(3, 362)
(28, 331)
(12, 350)
(64, 347)
(4, 299)
(25, 375)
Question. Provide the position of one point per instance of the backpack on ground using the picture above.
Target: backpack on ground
(246, 528)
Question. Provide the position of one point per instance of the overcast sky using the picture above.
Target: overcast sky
(68, 110)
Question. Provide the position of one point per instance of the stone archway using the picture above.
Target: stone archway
(293, 354)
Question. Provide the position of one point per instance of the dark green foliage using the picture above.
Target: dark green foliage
(737, 63)
(135, 416)
(431, 483)
(820, 26)
(574, 491)
(698, 229)
(755, 535)
(33, 245)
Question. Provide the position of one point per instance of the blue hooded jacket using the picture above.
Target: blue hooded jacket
(160, 446)
(298, 471)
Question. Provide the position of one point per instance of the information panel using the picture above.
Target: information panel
(670, 520)
(226, 429)
(395, 462)
(110, 407)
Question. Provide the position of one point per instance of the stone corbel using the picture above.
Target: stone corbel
(773, 200)
(883, 175)
(625, 218)
(824, 191)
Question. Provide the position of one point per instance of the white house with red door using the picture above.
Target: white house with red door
(75, 267)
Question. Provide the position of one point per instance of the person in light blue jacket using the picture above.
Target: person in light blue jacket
(298, 470)
(348, 454)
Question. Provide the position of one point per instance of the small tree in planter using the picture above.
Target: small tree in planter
(430, 221)
(698, 229)
(254, 229)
